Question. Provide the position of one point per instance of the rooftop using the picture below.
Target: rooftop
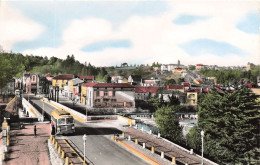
(109, 85)
(64, 77)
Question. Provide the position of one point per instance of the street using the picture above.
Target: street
(99, 148)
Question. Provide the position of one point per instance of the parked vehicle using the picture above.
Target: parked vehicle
(62, 122)
(17, 92)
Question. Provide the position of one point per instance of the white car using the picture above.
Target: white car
(17, 92)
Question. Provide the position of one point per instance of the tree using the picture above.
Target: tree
(173, 99)
(231, 125)
(168, 123)
(192, 67)
(194, 139)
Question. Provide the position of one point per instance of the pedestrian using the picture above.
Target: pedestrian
(35, 130)
(52, 130)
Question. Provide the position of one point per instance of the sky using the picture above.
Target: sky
(105, 33)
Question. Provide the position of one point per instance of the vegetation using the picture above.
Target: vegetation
(192, 67)
(194, 139)
(231, 125)
(226, 76)
(13, 64)
(168, 123)
(155, 64)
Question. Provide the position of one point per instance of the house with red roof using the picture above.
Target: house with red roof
(175, 87)
(199, 66)
(87, 78)
(109, 96)
(145, 93)
(49, 77)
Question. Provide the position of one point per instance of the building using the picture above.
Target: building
(150, 82)
(167, 94)
(198, 82)
(180, 71)
(135, 79)
(199, 67)
(87, 78)
(61, 80)
(83, 94)
(249, 66)
(192, 98)
(32, 82)
(175, 87)
(110, 95)
(49, 77)
(75, 88)
(145, 93)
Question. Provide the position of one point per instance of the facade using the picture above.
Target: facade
(199, 67)
(61, 80)
(75, 88)
(115, 79)
(192, 98)
(145, 93)
(49, 77)
(150, 82)
(180, 71)
(83, 94)
(32, 83)
(110, 95)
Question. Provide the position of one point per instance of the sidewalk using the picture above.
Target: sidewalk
(162, 146)
(25, 149)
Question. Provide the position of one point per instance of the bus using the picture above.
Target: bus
(62, 122)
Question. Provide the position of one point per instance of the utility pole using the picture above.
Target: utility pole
(202, 139)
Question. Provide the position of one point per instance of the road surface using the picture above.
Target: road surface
(99, 148)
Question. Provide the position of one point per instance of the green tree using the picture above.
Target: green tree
(168, 123)
(192, 67)
(231, 125)
(194, 139)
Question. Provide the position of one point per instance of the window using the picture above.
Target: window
(114, 93)
(97, 100)
(61, 121)
(106, 100)
(105, 94)
(113, 100)
(97, 93)
(70, 120)
(192, 96)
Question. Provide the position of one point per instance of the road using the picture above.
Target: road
(99, 148)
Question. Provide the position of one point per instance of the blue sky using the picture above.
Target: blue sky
(206, 46)
(134, 31)
(188, 19)
(107, 44)
(250, 23)
(56, 15)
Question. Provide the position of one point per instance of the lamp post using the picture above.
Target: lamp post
(84, 139)
(202, 138)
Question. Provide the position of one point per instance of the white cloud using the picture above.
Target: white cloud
(157, 38)
(15, 27)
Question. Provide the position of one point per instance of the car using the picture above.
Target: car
(17, 92)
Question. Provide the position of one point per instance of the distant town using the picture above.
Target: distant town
(172, 101)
